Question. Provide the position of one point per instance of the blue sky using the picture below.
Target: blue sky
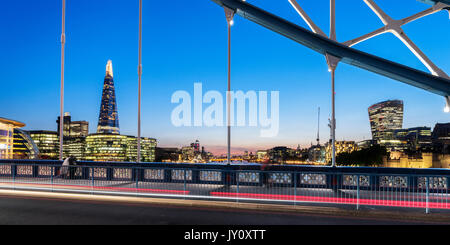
(184, 43)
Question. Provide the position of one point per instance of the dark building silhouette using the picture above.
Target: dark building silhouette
(441, 137)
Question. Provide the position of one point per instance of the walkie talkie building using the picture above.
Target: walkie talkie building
(385, 117)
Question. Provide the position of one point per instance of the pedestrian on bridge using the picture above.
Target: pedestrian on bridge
(66, 170)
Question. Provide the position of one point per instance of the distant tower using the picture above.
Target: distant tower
(66, 127)
(318, 127)
(108, 121)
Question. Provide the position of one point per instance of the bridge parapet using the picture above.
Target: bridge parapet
(425, 188)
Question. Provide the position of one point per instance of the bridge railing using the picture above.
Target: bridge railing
(415, 188)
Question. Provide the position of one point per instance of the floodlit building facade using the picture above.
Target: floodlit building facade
(148, 148)
(24, 146)
(341, 147)
(79, 129)
(261, 155)
(106, 147)
(7, 127)
(118, 148)
(74, 147)
(47, 142)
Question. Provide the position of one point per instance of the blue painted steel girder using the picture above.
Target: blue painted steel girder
(435, 1)
(399, 72)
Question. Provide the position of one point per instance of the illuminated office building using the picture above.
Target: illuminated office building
(384, 117)
(66, 127)
(341, 147)
(106, 147)
(148, 147)
(108, 121)
(24, 146)
(394, 144)
(74, 147)
(118, 148)
(7, 127)
(47, 142)
(418, 138)
(365, 144)
(73, 128)
(196, 146)
(187, 153)
(79, 129)
(261, 155)
(316, 153)
(412, 139)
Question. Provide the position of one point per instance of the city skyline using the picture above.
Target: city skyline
(298, 100)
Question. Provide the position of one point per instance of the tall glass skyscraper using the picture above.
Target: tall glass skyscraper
(108, 121)
(385, 117)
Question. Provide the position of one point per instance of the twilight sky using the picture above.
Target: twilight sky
(185, 43)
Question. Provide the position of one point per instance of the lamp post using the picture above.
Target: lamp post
(61, 116)
(332, 63)
(139, 92)
(229, 16)
(333, 120)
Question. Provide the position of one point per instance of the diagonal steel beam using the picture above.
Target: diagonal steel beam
(395, 27)
(323, 45)
(436, 8)
(435, 1)
(306, 18)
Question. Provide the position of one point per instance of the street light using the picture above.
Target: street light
(332, 63)
(139, 90)
(229, 14)
(61, 116)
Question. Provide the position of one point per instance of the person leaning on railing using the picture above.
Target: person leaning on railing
(66, 169)
(72, 168)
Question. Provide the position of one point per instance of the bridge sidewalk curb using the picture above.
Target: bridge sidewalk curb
(438, 218)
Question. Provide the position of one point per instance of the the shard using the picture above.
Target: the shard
(108, 120)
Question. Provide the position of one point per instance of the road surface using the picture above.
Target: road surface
(17, 210)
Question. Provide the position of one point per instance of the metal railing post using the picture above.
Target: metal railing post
(13, 170)
(357, 192)
(51, 176)
(137, 179)
(92, 180)
(184, 183)
(427, 209)
(295, 188)
(237, 185)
